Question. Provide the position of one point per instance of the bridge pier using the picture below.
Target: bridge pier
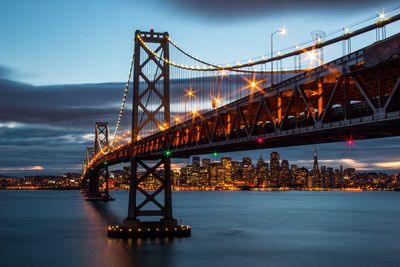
(166, 226)
(93, 193)
(161, 173)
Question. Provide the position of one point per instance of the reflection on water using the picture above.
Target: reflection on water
(59, 228)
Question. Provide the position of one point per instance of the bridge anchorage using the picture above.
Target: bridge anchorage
(181, 109)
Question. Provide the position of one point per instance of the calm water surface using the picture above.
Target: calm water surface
(59, 228)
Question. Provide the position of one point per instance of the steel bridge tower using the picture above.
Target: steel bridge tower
(101, 143)
(156, 84)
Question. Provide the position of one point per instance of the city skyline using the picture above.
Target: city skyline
(225, 173)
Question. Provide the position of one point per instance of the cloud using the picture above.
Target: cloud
(388, 165)
(228, 9)
(5, 72)
(23, 168)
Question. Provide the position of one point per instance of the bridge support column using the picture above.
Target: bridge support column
(106, 178)
(279, 109)
(320, 97)
(93, 187)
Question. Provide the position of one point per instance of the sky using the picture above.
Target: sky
(63, 64)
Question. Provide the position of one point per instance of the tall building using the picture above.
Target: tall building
(315, 175)
(226, 163)
(205, 165)
(284, 175)
(293, 173)
(196, 162)
(248, 172)
(274, 169)
(246, 161)
(214, 179)
(330, 178)
(237, 176)
(262, 172)
(301, 178)
(323, 175)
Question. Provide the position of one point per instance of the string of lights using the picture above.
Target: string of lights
(121, 111)
(238, 66)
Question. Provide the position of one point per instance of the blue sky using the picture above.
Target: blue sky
(56, 55)
(64, 42)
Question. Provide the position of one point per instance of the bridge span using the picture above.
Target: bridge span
(355, 96)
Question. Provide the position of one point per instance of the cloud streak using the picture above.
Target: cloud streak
(227, 9)
(19, 169)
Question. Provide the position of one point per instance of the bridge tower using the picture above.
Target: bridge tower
(155, 86)
(101, 144)
(88, 157)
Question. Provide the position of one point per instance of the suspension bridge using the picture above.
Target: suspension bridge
(326, 90)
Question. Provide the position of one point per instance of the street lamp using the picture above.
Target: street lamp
(281, 31)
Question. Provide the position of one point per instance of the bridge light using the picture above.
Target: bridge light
(283, 30)
(253, 84)
(350, 141)
(222, 73)
(190, 92)
(260, 140)
(168, 153)
(177, 119)
(381, 16)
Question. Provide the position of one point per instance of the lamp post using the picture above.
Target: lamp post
(281, 31)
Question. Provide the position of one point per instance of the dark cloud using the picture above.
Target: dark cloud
(223, 9)
(5, 72)
(50, 126)
(59, 105)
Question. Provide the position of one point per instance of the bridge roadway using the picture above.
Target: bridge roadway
(355, 96)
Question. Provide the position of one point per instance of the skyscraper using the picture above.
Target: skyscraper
(274, 169)
(284, 175)
(262, 172)
(196, 162)
(315, 175)
(248, 171)
(227, 165)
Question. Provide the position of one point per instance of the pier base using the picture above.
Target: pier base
(148, 230)
(99, 197)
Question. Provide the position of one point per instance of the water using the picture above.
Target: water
(59, 228)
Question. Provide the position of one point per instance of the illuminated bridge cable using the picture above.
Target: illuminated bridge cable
(191, 56)
(121, 111)
(239, 67)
